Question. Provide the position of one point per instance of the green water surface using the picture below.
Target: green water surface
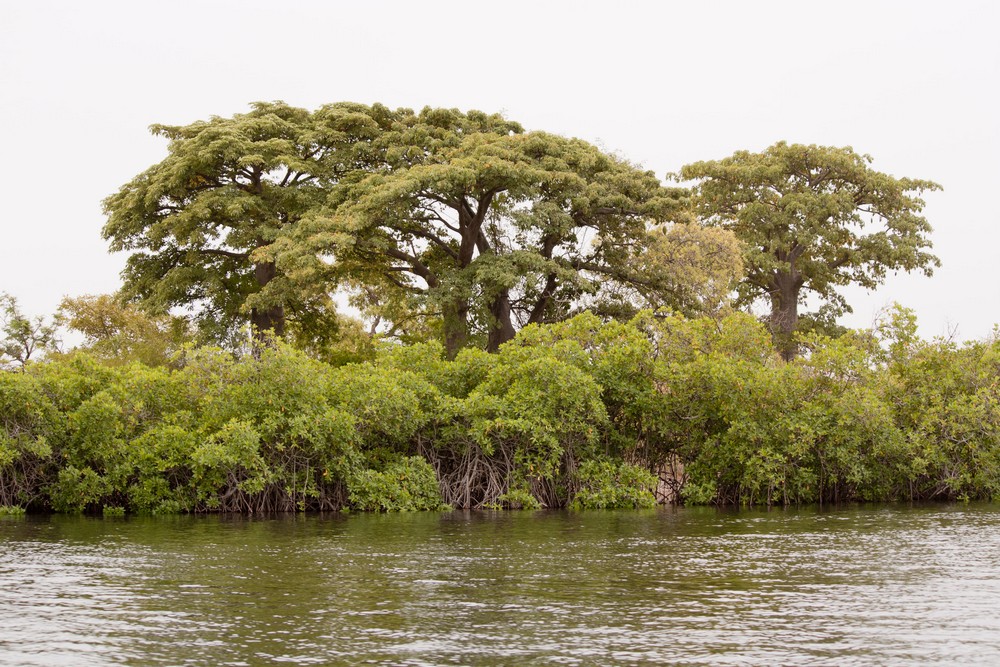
(882, 585)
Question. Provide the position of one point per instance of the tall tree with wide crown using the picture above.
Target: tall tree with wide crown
(811, 219)
(486, 227)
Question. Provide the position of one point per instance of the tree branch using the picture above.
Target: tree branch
(418, 267)
(223, 253)
(435, 240)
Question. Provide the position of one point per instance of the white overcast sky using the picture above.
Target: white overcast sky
(914, 84)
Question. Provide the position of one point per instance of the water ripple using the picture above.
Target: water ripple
(848, 587)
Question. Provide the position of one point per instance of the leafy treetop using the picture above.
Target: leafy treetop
(199, 222)
(485, 228)
(811, 219)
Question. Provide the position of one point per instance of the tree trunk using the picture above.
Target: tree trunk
(540, 311)
(266, 322)
(268, 319)
(456, 327)
(785, 314)
(501, 328)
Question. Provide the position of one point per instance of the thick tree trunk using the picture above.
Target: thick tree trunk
(266, 322)
(471, 215)
(269, 319)
(785, 314)
(456, 327)
(501, 328)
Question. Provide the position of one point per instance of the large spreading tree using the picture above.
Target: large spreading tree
(460, 225)
(811, 219)
(200, 222)
(484, 228)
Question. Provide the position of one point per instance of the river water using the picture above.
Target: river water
(880, 585)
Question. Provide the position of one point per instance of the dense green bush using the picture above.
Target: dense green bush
(28, 421)
(613, 485)
(583, 413)
(405, 485)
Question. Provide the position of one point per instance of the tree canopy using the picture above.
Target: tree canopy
(199, 222)
(445, 223)
(811, 219)
(22, 337)
(484, 228)
(121, 333)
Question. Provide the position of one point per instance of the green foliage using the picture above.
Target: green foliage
(342, 341)
(518, 407)
(442, 223)
(454, 378)
(388, 406)
(517, 498)
(120, 333)
(475, 227)
(231, 456)
(581, 413)
(71, 379)
(21, 337)
(28, 422)
(811, 219)
(751, 429)
(76, 489)
(947, 399)
(408, 484)
(270, 433)
(606, 484)
(467, 231)
(201, 224)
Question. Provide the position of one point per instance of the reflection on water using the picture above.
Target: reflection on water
(694, 586)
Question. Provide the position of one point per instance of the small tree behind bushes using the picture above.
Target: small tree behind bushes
(22, 338)
(582, 413)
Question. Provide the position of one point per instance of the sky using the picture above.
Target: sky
(914, 84)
